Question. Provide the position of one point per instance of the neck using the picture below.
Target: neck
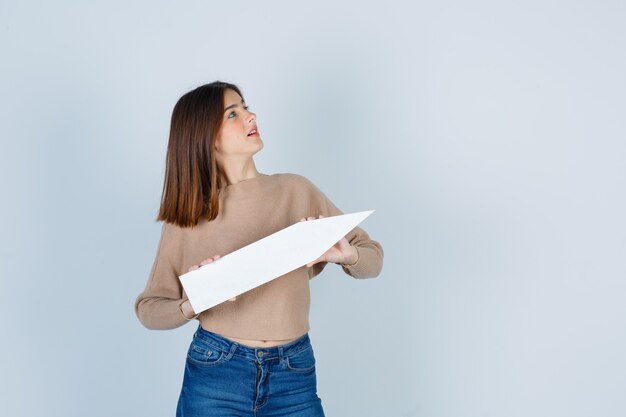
(233, 174)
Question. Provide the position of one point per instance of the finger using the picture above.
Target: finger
(310, 218)
(209, 260)
(302, 219)
(232, 299)
(193, 268)
(310, 264)
(321, 215)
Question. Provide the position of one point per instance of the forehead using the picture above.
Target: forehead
(231, 97)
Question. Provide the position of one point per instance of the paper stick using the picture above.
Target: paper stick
(266, 259)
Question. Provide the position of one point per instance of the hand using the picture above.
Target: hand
(340, 253)
(206, 262)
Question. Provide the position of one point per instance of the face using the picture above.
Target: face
(232, 140)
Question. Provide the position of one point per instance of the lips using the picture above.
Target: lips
(253, 132)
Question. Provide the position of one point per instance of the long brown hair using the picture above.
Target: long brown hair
(191, 170)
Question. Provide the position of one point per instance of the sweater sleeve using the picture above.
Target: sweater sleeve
(370, 252)
(158, 306)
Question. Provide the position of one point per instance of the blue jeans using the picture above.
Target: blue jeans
(226, 379)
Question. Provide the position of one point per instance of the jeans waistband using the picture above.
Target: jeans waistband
(227, 345)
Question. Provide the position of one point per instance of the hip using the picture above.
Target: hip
(221, 373)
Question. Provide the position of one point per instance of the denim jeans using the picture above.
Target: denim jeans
(224, 378)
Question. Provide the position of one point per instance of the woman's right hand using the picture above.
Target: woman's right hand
(205, 262)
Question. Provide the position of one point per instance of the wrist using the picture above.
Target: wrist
(354, 259)
(187, 310)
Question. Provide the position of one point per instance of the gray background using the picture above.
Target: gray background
(488, 136)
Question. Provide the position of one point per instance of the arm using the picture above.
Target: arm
(369, 252)
(158, 307)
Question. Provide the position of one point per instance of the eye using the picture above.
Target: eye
(233, 112)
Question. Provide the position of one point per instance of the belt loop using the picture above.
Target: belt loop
(280, 354)
(233, 348)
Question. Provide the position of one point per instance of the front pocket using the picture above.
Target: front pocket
(205, 355)
(302, 361)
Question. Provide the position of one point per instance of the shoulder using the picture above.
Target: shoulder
(295, 180)
(171, 232)
(303, 189)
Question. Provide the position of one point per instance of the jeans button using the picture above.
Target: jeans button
(260, 354)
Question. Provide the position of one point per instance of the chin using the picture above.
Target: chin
(259, 147)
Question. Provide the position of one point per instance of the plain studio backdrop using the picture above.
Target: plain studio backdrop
(489, 136)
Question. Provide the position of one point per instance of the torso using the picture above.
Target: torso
(261, 343)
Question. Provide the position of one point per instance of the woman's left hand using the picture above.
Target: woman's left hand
(340, 253)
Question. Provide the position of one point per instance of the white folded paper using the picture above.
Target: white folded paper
(266, 259)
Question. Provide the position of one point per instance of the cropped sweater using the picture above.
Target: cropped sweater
(248, 211)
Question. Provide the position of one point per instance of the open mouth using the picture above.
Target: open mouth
(253, 133)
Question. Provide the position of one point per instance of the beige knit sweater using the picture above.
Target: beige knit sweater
(249, 210)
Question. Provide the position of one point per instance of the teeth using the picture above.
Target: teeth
(254, 131)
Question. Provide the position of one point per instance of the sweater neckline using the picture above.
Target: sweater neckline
(248, 180)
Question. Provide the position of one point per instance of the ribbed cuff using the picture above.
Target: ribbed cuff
(367, 266)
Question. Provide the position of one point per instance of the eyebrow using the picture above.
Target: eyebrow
(233, 105)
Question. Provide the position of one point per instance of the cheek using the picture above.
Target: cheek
(231, 131)
(228, 136)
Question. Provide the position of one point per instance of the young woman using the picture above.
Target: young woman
(250, 355)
